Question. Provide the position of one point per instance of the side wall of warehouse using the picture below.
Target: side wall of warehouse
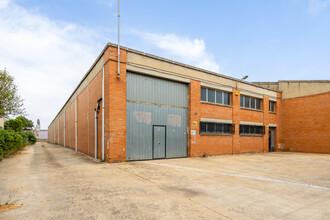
(77, 117)
(305, 114)
(306, 123)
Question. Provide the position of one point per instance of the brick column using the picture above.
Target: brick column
(278, 131)
(115, 106)
(265, 108)
(194, 116)
(236, 120)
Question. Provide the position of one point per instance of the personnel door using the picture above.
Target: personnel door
(271, 139)
(159, 141)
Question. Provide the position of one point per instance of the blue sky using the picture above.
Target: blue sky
(56, 41)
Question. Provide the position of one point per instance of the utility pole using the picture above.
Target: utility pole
(118, 73)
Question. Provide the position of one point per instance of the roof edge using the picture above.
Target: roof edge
(188, 66)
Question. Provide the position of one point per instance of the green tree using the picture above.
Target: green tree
(10, 102)
(26, 123)
(14, 124)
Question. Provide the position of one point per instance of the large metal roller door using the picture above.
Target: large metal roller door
(157, 111)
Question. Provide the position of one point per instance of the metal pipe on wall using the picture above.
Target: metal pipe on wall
(96, 133)
(64, 130)
(76, 125)
(58, 131)
(103, 112)
(54, 133)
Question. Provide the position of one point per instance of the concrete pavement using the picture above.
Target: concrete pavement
(53, 182)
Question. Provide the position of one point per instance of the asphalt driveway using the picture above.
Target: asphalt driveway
(53, 182)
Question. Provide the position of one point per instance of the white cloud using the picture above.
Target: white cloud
(190, 51)
(4, 3)
(47, 58)
(317, 6)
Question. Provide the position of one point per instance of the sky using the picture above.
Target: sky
(48, 46)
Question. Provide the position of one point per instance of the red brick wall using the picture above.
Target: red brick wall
(115, 106)
(252, 144)
(82, 122)
(306, 123)
(61, 129)
(200, 145)
(56, 131)
(206, 145)
(95, 93)
(69, 126)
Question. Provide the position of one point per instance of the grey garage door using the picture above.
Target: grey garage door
(156, 118)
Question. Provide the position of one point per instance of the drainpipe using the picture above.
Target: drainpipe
(64, 131)
(103, 113)
(54, 133)
(76, 125)
(58, 131)
(96, 112)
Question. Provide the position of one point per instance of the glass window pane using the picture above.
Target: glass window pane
(210, 127)
(202, 127)
(253, 103)
(219, 97)
(226, 98)
(258, 130)
(272, 106)
(247, 102)
(211, 95)
(259, 104)
(242, 101)
(203, 94)
(226, 128)
(245, 129)
(253, 129)
(219, 128)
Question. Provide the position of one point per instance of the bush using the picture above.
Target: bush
(14, 124)
(29, 137)
(10, 142)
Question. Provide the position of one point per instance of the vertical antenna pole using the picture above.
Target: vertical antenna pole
(118, 74)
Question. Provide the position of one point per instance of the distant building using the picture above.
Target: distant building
(42, 134)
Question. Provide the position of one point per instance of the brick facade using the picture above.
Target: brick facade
(288, 113)
(306, 124)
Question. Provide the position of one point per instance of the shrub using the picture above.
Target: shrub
(14, 124)
(10, 142)
(29, 137)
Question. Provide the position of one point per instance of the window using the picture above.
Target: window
(250, 102)
(203, 94)
(215, 96)
(272, 106)
(211, 95)
(251, 129)
(216, 128)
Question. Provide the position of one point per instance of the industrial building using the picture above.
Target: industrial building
(155, 108)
